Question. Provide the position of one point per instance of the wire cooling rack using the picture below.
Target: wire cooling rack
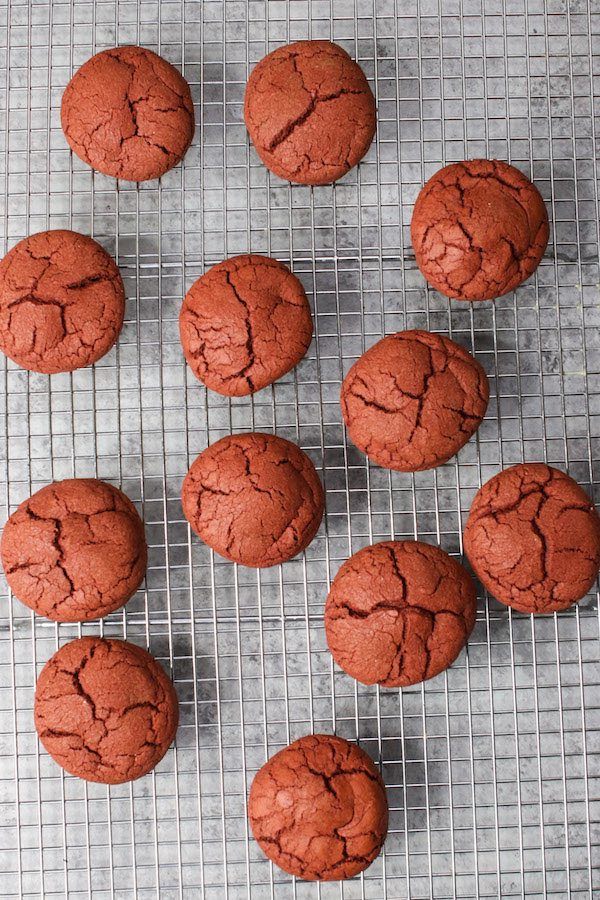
(493, 768)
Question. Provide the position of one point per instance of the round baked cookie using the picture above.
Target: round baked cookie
(310, 112)
(479, 229)
(413, 400)
(318, 809)
(62, 302)
(244, 324)
(256, 499)
(128, 113)
(533, 538)
(75, 550)
(105, 710)
(399, 612)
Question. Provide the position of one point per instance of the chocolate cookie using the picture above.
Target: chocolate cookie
(244, 324)
(318, 809)
(61, 302)
(413, 400)
(254, 498)
(399, 612)
(105, 710)
(128, 113)
(310, 112)
(75, 550)
(533, 538)
(479, 229)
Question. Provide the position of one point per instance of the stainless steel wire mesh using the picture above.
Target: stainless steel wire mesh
(493, 768)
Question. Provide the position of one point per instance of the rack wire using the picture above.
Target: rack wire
(493, 768)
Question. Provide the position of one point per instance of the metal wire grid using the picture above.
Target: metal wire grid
(493, 769)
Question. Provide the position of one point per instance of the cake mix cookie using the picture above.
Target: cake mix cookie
(105, 710)
(61, 302)
(244, 324)
(128, 113)
(399, 612)
(256, 499)
(310, 112)
(479, 229)
(318, 809)
(413, 400)
(533, 538)
(75, 550)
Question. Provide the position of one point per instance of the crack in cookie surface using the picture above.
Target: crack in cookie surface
(479, 229)
(244, 324)
(413, 400)
(310, 112)
(105, 710)
(128, 113)
(533, 538)
(318, 809)
(62, 302)
(75, 550)
(399, 612)
(254, 498)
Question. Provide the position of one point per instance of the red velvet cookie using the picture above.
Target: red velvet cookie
(128, 113)
(61, 302)
(75, 550)
(413, 400)
(318, 809)
(479, 229)
(533, 538)
(399, 612)
(244, 324)
(310, 112)
(256, 499)
(105, 710)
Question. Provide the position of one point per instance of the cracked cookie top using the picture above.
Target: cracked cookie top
(318, 809)
(256, 499)
(413, 400)
(75, 550)
(62, 302)
(399, 612)
(310, 112)
(533, 538)
(244, 324)
(128, 113)
(479, 229)
(105, 710)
